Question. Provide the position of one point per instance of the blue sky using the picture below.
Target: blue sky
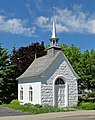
(25, 21)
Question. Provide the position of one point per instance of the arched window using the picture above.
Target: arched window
(59, 81)
(30, 94)
(21, 93)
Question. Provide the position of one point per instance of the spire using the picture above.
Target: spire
(54, 48)
(54, 39)
(53, 30)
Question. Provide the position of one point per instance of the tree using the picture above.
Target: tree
(88, 70)
(92, 81)
(24, 56)
(74, 55)
(7, 83)
(83, 64)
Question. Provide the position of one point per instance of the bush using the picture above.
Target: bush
(15, 102)
(87, 98)
(38, 105)
(86, 106)
(28, 104)
(91, 94)
(45, 105)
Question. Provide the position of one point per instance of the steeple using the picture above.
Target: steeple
(53, 30)
(54, 48)
(54, 39)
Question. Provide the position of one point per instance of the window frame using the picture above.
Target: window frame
(21, 93)
(30, 94)
(59, 81)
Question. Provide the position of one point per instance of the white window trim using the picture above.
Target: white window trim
(21, 93)
(30, 94)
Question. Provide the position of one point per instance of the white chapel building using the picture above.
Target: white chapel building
(49, 79)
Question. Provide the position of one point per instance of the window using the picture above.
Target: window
(30, 94)
(21, 93)
(59, 81)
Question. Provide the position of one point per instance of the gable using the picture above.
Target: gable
(59, 67)
(70, 67)
(60, 64)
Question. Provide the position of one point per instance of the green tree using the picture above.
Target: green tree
(83, 64)
(7, 83)
(24, 56)
(92, 81)
(74, 55)
(88, 70)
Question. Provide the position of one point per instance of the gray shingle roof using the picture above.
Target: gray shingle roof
(38, 66)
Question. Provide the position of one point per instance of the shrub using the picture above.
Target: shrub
(88, 98)
(28, 104)
(45, 105)
(38, 105)
(91, 94)
(36, 109)
(86, 106)
(15, 102)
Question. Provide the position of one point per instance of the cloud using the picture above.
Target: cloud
(39, 5)
(42, 21)
(15, 26)
(31, 11)
(67, 20)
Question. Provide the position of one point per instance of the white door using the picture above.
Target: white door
(59, 95)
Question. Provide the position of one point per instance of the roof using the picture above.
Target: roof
(38, 66)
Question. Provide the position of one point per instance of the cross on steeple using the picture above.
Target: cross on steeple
(54, 39)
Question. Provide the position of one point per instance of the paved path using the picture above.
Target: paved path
(74, 118)
(74, 115)
(10, 112)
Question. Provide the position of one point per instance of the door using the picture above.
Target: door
(59, 95)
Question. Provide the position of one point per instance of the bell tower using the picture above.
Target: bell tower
(54, 48)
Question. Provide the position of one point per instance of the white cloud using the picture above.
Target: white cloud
(61, 28)
(15, 26)
(91, 26)
(74, 20)
(42, 21)
(39, 5)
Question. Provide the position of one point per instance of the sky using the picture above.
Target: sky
(23, 22)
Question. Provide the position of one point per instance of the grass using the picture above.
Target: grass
(37, 109)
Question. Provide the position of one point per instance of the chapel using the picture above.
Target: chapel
(49, 79)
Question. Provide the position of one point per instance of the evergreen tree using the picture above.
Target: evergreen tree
(8, 90)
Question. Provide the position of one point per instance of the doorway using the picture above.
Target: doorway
(59, 93)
